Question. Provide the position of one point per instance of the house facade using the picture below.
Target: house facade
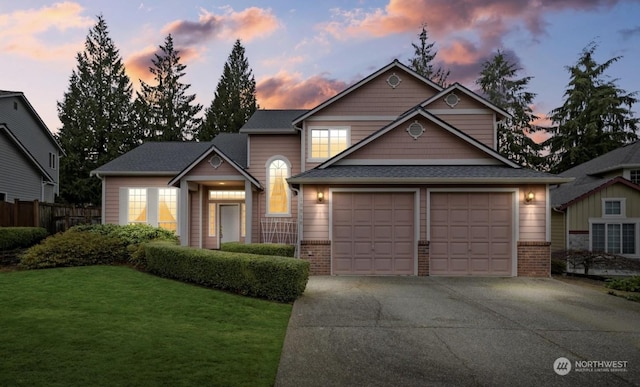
(393, 176)
(29, 154)
(600, 209)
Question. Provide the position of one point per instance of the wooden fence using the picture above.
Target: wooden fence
(52, 216)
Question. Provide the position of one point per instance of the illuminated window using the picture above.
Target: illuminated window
(168, 208)
(243, 220)
(329, 142)
(137, 205)
(277, 191)
(226, 195)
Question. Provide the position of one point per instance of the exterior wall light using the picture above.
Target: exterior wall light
(320, 196)
(529, 197)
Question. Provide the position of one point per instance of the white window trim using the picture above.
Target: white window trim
(153, 207)
(268, 178)
(609, 220)
(623, 208)
(329, 128)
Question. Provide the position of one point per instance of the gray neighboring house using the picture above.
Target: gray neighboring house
(29, 154)
(600, 209)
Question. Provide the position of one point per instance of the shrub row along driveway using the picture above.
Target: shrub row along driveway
(405, 331)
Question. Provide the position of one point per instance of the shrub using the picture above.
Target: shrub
(275, 249)
(133, 236)
(274, 278)
(558, 266)
(630, 284)
(20, 237)
(74, 248)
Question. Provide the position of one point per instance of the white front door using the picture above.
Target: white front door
(229, 223)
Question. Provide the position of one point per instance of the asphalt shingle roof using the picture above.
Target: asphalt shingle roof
(479, 173)
(272, 120)
(176, 156)
(590, 175)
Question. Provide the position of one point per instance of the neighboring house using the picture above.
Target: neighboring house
(29, 154)
(393, 176)
(600, 209)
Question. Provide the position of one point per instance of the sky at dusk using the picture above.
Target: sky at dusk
(302, 53)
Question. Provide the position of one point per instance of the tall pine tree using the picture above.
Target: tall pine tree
(423, 57)
(96, 114)
(500, 85)
(235, 97)
(165, 111)
(595, 118)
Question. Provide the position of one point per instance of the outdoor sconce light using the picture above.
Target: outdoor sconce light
(320, 196)
(529, 197)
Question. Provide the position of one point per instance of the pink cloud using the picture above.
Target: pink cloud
(289, 91)
(20, 31)
(137, 65)
(247, 25)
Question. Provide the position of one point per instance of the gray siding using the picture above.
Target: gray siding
(19, 178)
(28, 129)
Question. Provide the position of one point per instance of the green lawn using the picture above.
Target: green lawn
(111, 326)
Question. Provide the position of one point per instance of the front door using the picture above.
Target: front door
(229, 223)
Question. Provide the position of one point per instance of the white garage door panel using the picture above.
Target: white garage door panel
(379, 230)
(471, 233)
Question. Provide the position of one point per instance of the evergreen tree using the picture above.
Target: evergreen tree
(500, 86)
(96, 115)
(165, 111)
(235, 97)
(422, 61)
(596, 116)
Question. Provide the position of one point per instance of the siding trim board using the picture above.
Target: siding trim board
(26, 153)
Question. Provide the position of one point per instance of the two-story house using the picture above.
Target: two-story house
(29, 154)
(395, 175)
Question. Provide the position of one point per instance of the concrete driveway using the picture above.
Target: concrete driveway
(417, 331)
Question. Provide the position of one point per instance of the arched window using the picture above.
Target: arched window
(278, 194)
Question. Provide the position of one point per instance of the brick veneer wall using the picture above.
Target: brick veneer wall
(423, 258)
(318, 253)
(534, 259)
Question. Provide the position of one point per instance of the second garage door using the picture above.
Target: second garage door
(471, 233)
(373, 233)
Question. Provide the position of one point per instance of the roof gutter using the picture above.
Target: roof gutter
(428, 180)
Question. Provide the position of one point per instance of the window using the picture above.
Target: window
(614, 238)
(243, 220)
(613, 207)
(328, 142)
(3, 196)
(53, 160)
(226, 195)
(168, 208)
(634, 176)
(277, 189)
(137, 205)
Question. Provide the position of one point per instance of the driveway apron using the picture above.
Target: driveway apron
(417, 331)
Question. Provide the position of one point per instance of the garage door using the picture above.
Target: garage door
(373, 233)
(471, 234)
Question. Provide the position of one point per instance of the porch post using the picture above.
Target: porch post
(248, 205)
(183, 213)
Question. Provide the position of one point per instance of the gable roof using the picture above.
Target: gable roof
(419, 111)
(468, 93)
(272, 121)
(4, 128)
(232, 143)
(393, 65)
(34, 113)
(589, 176)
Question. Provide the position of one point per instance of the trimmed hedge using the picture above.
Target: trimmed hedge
(95, 245)
(73, 248)
(274, 278)
(275, 249)
(20, 237)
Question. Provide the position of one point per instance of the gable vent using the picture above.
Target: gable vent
(415, 130)
(393, 80)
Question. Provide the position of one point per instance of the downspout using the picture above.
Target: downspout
(299, 221)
